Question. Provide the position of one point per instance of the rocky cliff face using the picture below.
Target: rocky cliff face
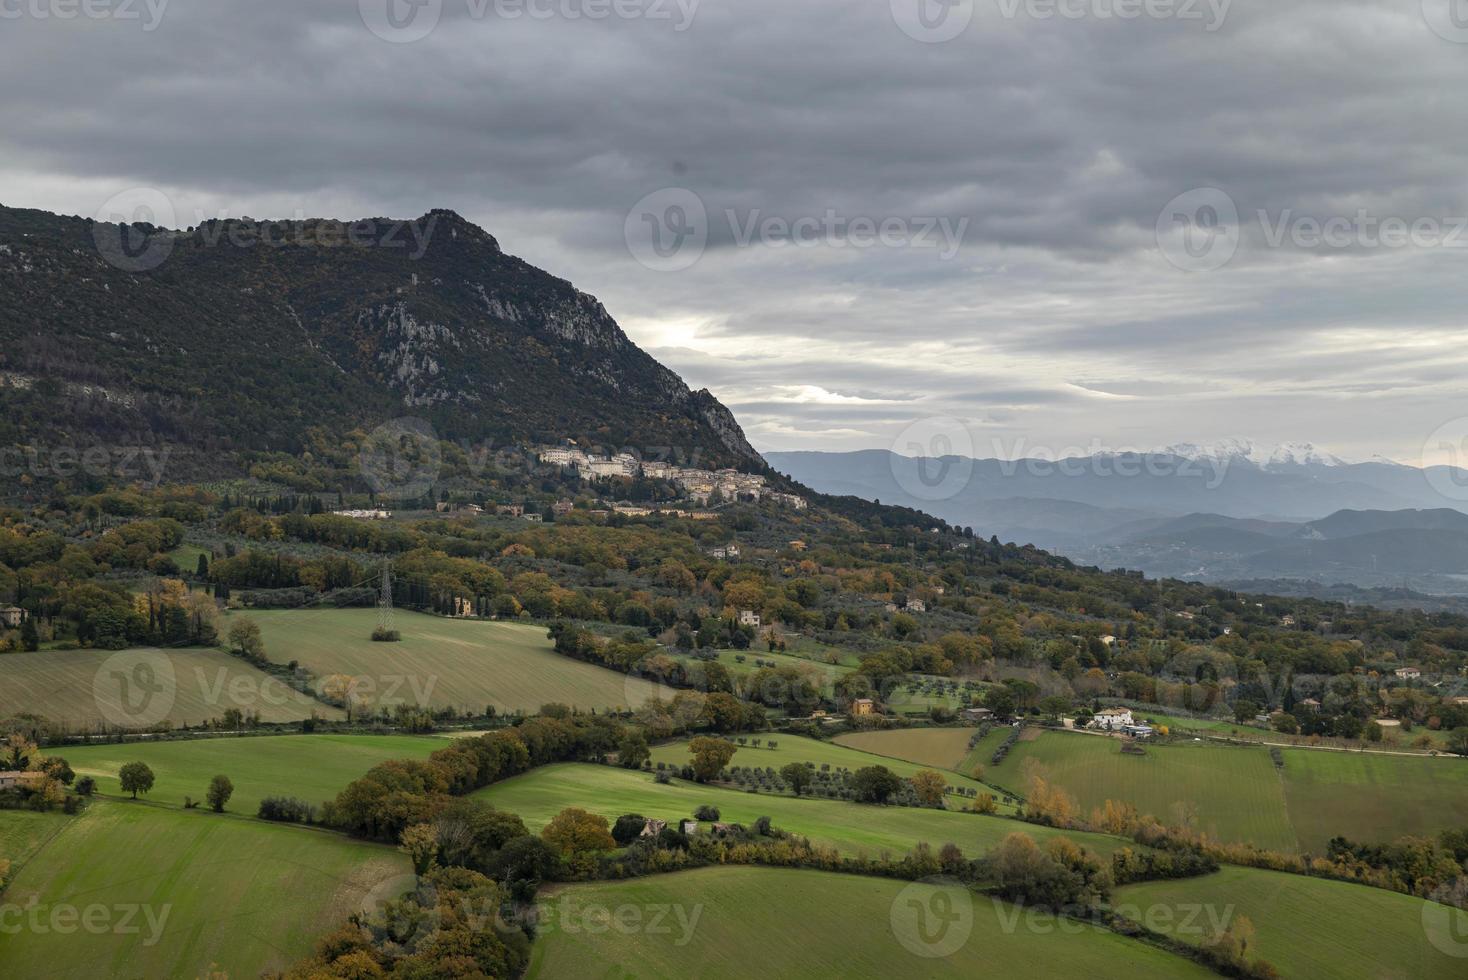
(243, 335)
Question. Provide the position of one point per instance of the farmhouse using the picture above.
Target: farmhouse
(653, 827)
(562, 507)
(363, 515)
(1114, 719)
(1408, 673)
(748, 617)
(12, 616)
(510, 510)
(18, 780)
(977, 714)
(689, 827)
(863, 706)
(916, 605)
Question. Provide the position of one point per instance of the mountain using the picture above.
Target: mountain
(243, 337)
(1291, 484)
(1228, 512)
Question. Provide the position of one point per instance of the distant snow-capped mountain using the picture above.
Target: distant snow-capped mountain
(1261, 455)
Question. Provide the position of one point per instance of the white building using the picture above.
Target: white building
(1114, 719)
(748, 617)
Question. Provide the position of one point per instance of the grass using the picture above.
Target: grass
(794, 748)
(1233, 793)
(823, 673)
(1309, 927)
(1373, 798)
(942, 748)
(24, 832)
(445, 663)
(206, 889)
(1236, 794)
(313, 768)
(982, 754)
(84, 688)
(539, 795)
(736, 922)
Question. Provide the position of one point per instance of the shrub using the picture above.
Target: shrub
(707, 813)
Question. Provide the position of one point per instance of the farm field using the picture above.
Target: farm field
(730, 659)
(942, 748)
(1372, 798)
(313, 768)
(982, 754)
(850, 827)
(445, 663)
(83, 688)
(793, 748)
(1232, 793)
(1235, 793)
(246, 895)
(786, 923)
(1310, 927)
(23, 832)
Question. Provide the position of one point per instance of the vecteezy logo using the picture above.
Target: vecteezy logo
(933, 918)
(124, 245)
(932, 21)
(1445, 459)
(1198, 231)
(401, 459)
(1448, 19)
(400, 21)
(1446, 925)
(135, 688)
(932, 459)
(667, 230)
(399, 913)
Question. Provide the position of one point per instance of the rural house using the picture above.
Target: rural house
(12, 616)
(1114, 719)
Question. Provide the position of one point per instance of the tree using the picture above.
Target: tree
(420, 843)
(201, 570)
(244, 638)
(632, 752)
(1458, 741)
(797, 776)
(710, 756)
(707, 813)
(875, 784)
(136, 778)
(30, 637)
(18, 753)
(1286, 724)
(220, 790)
(628, 828)
(1245, 710)
(578, 837)
(929, 786)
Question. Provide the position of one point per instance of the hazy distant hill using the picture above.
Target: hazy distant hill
(1299, 514)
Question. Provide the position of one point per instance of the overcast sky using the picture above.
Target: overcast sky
(1017, 166)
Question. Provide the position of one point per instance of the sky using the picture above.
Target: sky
(996, 226)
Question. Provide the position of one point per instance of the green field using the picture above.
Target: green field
(198, 888)
(1309, 927)
(822, 672)
(1373, 798)
(313, 768)
(23, 832)
(445, 663)
(88, 688)
(1232, 793)
(539, 795)
(941, 748)
(794, 748)
(740, 922)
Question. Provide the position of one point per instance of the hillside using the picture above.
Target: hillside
(240, 337)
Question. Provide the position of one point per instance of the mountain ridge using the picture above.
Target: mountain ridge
(240, 336)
